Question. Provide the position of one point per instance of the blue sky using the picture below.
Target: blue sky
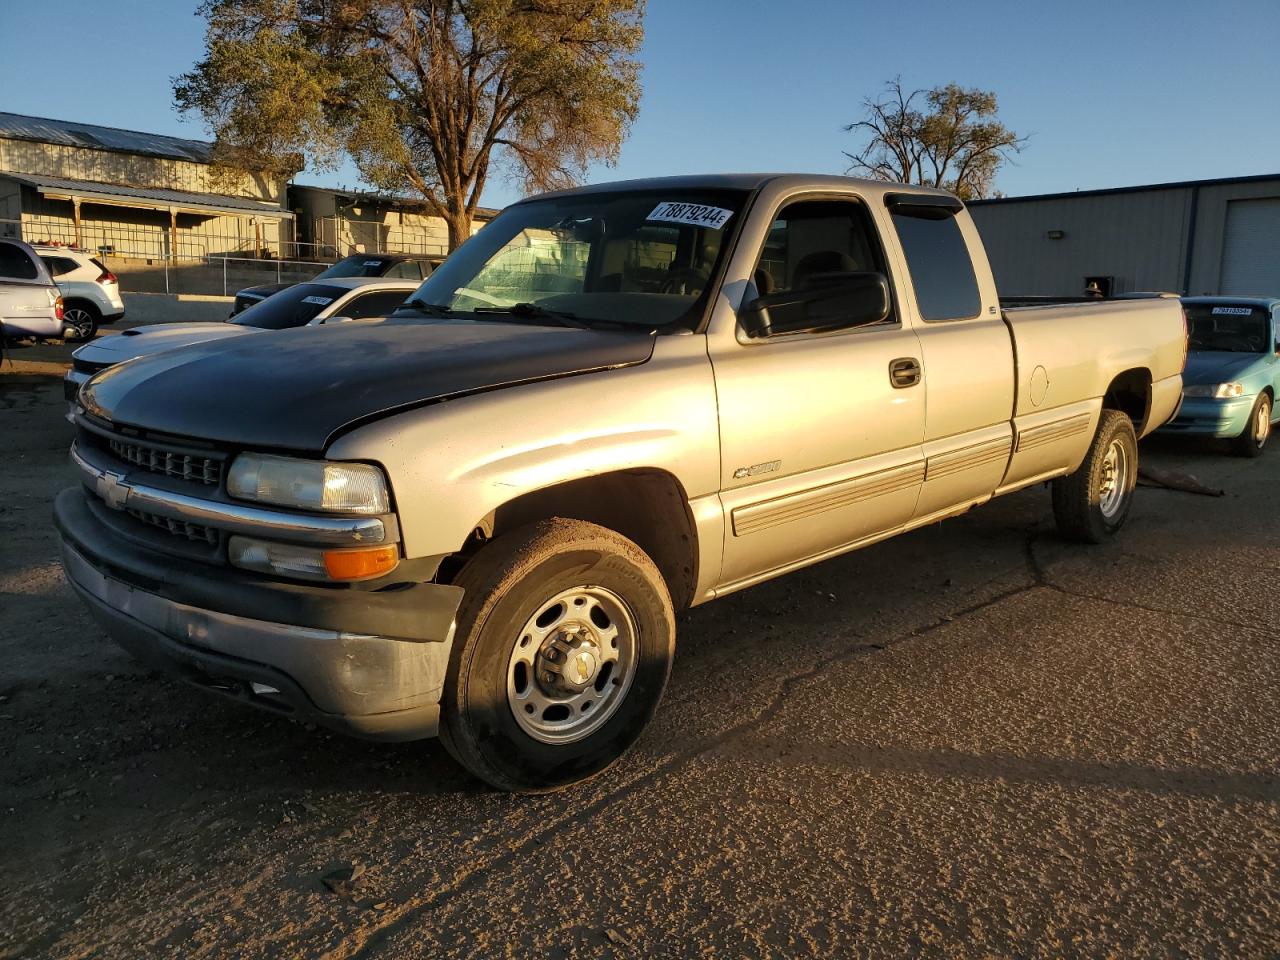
(1112, 93)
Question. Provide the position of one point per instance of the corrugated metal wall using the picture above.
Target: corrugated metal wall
(1141, 237)
(1137, 238)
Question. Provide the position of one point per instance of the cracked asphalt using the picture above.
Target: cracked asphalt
(974, 740)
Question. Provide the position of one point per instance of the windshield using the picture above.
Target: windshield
(357, 265)
(1228, 328)
(641, 258)
(292, 307)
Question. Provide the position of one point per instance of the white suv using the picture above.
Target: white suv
(90, 292)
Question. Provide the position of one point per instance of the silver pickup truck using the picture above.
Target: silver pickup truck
(479, 518)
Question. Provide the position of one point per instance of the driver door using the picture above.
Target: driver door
(821, 443)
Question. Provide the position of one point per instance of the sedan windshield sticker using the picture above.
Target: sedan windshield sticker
(318, 301)
(694, 214)
(373, 263)
(1234, 311)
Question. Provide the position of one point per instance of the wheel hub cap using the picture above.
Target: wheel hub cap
(1114, 481)
(568, 662)
(572, 664)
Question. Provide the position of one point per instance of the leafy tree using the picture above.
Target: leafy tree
(432, 94)
(946, 137)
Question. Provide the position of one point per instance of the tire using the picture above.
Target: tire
(80, 321)
(1251, 442)
(513, 708)
(1091, 504)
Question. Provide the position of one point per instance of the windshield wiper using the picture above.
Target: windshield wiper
(533, 311)
(429, 309)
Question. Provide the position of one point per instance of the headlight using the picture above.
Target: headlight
(1219, 391)
(309, 484)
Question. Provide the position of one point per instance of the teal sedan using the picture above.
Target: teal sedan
(1233, 371)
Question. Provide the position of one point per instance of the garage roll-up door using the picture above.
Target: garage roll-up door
(1251, 248)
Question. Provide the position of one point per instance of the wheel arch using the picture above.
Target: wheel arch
(1129, 392)
(648, 506)
(75, 300)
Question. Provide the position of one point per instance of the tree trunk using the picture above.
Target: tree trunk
(459, 223)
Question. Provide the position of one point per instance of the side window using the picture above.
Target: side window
(58, 266)
(379, 304)
(408, 270)
(15, 264)
(816, 244)
(940, 266)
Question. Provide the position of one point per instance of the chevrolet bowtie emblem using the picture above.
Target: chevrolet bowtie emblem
(113, 490)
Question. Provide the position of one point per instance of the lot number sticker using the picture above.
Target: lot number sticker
(318, 301)
(694, 214)
(373, 263)
(1233, 311)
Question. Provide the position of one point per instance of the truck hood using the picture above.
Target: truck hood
(1216, 366)
(299, 389)
(143, 341)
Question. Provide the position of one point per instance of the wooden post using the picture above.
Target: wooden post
(257, 238)
(75, 216)
(173, 235)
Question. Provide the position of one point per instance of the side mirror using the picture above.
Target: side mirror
(832, 301)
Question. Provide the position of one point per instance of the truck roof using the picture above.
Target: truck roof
(742, 181)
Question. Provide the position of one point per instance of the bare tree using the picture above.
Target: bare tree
(427, 94)
(945, 137)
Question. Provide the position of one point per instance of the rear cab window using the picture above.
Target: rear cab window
(939, 262)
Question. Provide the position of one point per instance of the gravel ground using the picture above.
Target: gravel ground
(974, 740)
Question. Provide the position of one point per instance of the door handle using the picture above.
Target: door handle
(904, 372)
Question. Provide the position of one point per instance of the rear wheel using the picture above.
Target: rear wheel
(564, 643)
(1091, 504)
(79, 321)
(1256, 434)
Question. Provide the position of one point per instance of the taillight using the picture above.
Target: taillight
(1186, 336)
(57, 307)
(107, 277)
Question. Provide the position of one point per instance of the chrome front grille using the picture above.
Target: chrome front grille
(178, 528)
(183, 466)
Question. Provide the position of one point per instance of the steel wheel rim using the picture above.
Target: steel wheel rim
(572, 664)
(1113, 487)
(78, 322)
(1262, 423)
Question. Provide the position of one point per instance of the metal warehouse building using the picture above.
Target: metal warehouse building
(130, 194)
(149, 198)
(1196, 237)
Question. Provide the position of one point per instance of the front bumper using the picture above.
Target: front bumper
(1208, 417)
(371, 664)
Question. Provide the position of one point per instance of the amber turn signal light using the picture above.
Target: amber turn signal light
(360, 564)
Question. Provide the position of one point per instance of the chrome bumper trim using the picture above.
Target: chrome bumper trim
(120, 494)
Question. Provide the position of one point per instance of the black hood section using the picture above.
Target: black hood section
(298, 389)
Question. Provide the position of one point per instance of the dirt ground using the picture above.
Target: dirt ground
(975, 740)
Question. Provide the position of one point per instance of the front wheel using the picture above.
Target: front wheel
(563, 647)
(1255, 435)
(1091, 504)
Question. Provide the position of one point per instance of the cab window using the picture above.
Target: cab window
(940, 266)
(819, 243)
(408, 270)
